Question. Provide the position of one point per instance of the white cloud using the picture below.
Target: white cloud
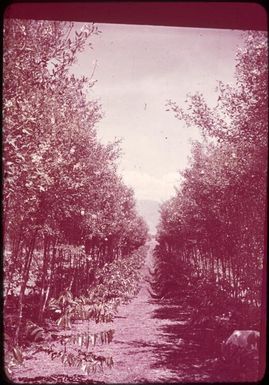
(147, 186)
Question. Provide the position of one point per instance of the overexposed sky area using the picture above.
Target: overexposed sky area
(138, 68)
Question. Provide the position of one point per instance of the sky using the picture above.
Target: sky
(138, 68)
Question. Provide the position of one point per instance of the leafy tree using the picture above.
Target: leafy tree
(66, 209)
(216, 220)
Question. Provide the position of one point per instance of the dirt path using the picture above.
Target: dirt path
(147, 345)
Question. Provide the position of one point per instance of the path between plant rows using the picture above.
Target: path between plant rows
(151, 344)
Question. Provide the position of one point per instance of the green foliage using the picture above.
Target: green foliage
(214, 226)
(81, 308)
(68, 216)
(119, 280)
(88, 362)
(85, 340)
(67, 211)
(114, 283)
(216, 220)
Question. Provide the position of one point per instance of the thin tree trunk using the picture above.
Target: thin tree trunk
(44, 274)
(23, 285)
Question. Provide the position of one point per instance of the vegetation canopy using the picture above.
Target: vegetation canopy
(216, 221)
(67, 213)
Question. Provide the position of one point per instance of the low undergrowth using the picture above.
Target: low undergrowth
(213, 308)
(114, 284)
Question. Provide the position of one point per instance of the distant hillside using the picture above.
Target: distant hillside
(150, 212)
